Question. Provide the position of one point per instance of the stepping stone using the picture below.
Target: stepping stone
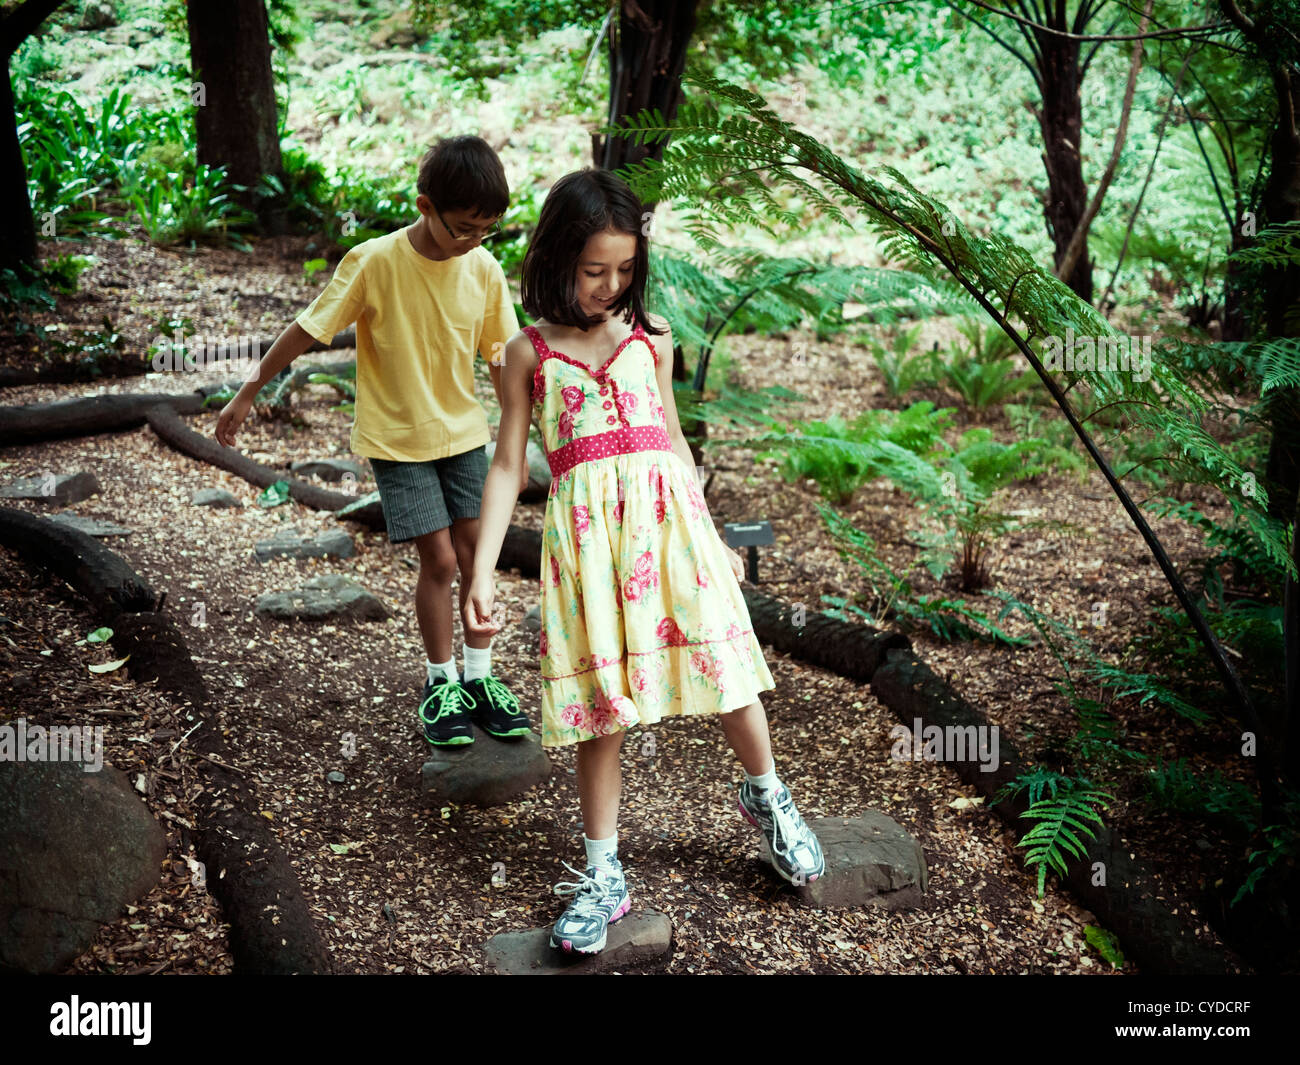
(367, 509)
(539, 472)
(333, 543)
(54, 489)
(639, 938)
(322, 598)
(533, 619)
(488, 772)
(75, 848)
(214, 497)
(90, 526)
(328, 469)
(870, 861)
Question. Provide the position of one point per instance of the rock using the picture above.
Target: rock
(396, 31)
(870, 860)
(639, 938)
(533, 619)
(333, 543)
(539, 472)
(335, 777)
(328, 469)
(96, 15)
(367, 509)
(55, 489)
(90, 526)
(321, 598)
(214, 497)
(487, 772)
(75, 848)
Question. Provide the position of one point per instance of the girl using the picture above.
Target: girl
(642, 615)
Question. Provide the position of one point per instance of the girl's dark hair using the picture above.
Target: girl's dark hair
(459, 173)
(579, 205)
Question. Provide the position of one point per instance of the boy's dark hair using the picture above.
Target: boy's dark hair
(579, 205)
(458, 173)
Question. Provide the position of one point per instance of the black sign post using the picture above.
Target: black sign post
(749, 535)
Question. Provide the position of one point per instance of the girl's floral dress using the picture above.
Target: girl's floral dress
(642, 617)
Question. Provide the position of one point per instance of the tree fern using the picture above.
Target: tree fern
(723, 164)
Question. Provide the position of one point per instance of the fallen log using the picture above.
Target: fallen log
(1128, 901)
(271, 930)
(34, 422)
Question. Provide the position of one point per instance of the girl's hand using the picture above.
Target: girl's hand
(737, 566)
(477, 612)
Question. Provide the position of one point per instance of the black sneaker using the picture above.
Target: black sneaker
(496, 710)
(443, 709)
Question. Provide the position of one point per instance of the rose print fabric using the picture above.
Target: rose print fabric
(642, 617)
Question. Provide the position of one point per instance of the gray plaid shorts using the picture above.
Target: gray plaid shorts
(423, 497)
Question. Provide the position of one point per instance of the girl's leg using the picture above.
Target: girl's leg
(600, 780)
(746, 731)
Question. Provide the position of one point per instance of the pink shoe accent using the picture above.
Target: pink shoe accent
(567, 944)
(622, 910)
(746, 814)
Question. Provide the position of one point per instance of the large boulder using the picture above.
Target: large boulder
(323, 598)
(487, 772)
(75, 849)
(870, 861)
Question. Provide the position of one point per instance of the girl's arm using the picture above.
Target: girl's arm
(663, 345)
(501, 490)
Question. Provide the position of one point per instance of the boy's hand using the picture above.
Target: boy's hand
(477, 612)
(231, 418)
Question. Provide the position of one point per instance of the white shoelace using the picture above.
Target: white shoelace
(787, 824)
(591, 891)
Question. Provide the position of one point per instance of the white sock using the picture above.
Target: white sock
(767, 782)
(601, 851)
(478, 662)
(443, 669)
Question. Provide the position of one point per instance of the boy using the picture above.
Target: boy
(424, 299)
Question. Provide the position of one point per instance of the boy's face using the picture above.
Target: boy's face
(453, 233)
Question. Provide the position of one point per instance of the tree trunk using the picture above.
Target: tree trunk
(236, 120)
(647, 54)
(1061, 122)
(17, 227)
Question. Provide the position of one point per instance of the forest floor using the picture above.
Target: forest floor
(414, 889)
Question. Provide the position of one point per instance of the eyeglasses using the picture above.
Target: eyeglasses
(480, 236)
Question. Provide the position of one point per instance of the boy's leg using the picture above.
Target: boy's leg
(433, 592)
(464, 540)
(415, 511)
(792, 847)
(495, 709)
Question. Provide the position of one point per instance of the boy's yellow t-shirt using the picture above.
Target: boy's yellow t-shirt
(419, 323)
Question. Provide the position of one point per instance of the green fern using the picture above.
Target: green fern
(1064, 821)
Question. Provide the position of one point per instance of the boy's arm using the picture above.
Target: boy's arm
(288, 346)
(501, 489)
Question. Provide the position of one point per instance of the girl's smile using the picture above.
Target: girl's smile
(604, 270)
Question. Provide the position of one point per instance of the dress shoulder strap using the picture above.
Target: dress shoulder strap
(539, 344)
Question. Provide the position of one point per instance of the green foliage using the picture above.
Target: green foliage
(893, 594)
(731, 159)
(1065, 820)
(1082, 665)
(1173, 786)
(199, 209)
(901, 370)
(1104, 943)
(345, 385)
(1280, 850)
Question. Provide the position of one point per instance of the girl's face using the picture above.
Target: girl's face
(604, 270)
